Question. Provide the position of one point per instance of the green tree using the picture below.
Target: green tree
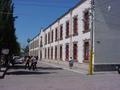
(8, 38)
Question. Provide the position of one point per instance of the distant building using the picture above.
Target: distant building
(70, 35)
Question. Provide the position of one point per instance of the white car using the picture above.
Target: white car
(18, 60)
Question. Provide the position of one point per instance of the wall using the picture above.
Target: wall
(107, 32)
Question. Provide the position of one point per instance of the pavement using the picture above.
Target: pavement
(49, 76)
(77, 67)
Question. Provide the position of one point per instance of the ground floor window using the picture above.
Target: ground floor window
(75, 52)
(67, 52)
(40, 54)
(56, 52)
(48, 53)
(60, 52)
(86, 50)
(45, 53)
(51, 52)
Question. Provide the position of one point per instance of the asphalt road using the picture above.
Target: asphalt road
(48, 77)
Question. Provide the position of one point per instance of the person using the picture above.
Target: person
(27, 59)
(33, 63)
(71, 62)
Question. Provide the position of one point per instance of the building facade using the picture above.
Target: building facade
(70, 36)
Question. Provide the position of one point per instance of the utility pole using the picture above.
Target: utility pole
(91, 36)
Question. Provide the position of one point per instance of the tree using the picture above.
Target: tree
(8, 38)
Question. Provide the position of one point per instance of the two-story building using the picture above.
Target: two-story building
(91, 24)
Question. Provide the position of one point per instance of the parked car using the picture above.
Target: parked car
(17, 60)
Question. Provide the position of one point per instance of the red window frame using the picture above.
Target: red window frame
(48, 53)
(67, 29)
(61, 32)
(55, 52)
(61, 52)
(86, 50)
(56, 31)
(86, 20)
(75, 25)
(75, 52)
(52, 36)
(67, 52)
(51, 52)
(45, 53)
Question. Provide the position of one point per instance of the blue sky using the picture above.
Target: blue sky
(34, 14)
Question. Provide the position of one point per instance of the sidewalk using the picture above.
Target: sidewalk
(78, 68)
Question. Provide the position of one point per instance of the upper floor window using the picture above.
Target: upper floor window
(48, 37)
(56, 31)
(67, 29)
(52, 36)
(75, 25)
(86, 20)
(61, 32)
(45, 38)
(41, 41)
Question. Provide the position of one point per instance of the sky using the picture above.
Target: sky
(36, 14)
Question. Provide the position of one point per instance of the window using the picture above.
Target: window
(45, 38)
(75, 25)
(51, 52)
(86, 50)
(67, 52)
(86, 21)
(48, 38)
(40, 54)
(56, 34)
(52, 36)
(75, 52)
(48, 52)
(45, 53)
(61, 32)
(56, 52)
(41, 41)
(67, 29)
(60, 52)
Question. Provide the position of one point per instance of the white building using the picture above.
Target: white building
(70, 36)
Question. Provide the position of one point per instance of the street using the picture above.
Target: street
(48, 77)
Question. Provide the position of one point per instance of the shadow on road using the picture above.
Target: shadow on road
(27, 73)
(20, 70)
(38, 68)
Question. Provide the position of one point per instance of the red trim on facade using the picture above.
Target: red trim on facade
(60, 52)
(75, 25)
(61, 32)
(67, 29)
(67, 52)
(86, 50)
(86, 20)
(75, 52)
(56, 52)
